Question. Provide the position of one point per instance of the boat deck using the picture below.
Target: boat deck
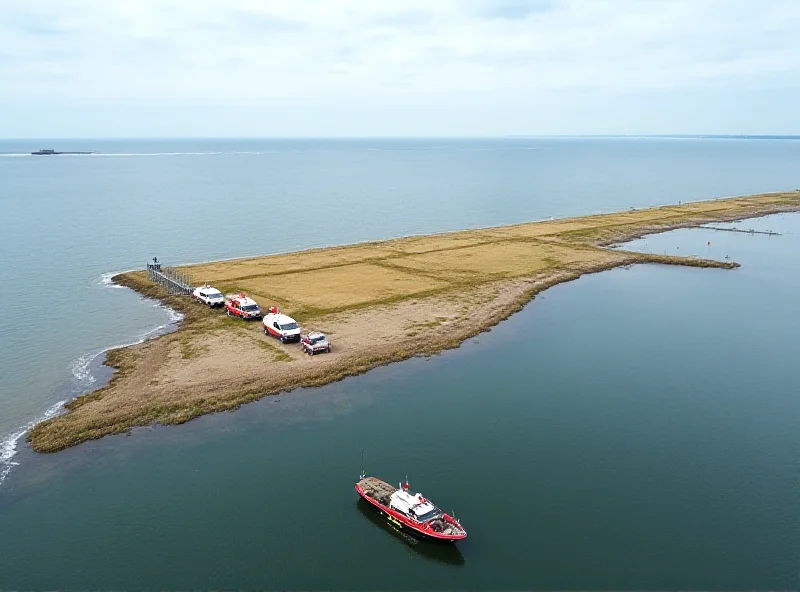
(377, 489)
(441, 526)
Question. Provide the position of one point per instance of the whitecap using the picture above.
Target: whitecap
(173, 316)
(122, 154)
(80, 368)
(8, 445)
(107, 282)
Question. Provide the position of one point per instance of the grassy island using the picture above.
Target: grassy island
(380, 302)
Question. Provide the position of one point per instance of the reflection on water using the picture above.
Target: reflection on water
(447, 553)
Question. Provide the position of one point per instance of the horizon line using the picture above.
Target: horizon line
(432, 137)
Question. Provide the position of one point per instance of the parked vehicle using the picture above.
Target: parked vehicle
(315, 342)
(209, 295)
(243, 307)
(281, 326)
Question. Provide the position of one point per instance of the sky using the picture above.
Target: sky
(396, 68)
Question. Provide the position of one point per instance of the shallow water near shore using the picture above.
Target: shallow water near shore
(634, 429)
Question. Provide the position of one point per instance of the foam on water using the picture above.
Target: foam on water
(81, 368)
(8, 445)
(96, 155)
(172, 316)
(107, 282)
(81, 371)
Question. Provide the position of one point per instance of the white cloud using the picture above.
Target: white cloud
(254, 49)
(403, 52)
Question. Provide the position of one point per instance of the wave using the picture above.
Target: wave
(82, 372)
(234, 152)
(8, 446)
(99, 155)
(173, 316)
(107, 282)
(81, 368)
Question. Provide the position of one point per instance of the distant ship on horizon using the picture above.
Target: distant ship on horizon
(51, 152)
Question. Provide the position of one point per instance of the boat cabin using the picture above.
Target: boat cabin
(414, 506)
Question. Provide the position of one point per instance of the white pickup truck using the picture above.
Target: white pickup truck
(208, 295)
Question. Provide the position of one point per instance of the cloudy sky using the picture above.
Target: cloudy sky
(92, 68)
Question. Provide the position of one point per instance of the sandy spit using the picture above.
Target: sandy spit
(379, 303)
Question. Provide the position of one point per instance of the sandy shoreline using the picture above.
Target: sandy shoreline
(380, 302)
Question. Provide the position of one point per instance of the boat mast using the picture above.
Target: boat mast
(362, 474)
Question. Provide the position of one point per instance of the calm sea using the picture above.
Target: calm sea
(633, 429)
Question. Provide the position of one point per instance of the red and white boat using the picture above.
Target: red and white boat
(410, 512)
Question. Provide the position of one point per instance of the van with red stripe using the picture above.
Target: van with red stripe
(281, 326)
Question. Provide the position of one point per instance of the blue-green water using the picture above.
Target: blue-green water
(632, 429)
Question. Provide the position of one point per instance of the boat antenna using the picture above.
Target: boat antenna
(362, 474)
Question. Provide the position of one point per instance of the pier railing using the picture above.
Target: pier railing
(173, 280)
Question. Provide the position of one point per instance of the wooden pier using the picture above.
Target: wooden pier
(751, 231)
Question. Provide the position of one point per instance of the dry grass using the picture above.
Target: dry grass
(226, 271)
(436, 242)
(502, 259)
(383, 302)
(342, 286)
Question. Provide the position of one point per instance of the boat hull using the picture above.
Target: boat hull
(404, 524)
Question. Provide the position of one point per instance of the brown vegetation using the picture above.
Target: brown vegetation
(380, 302)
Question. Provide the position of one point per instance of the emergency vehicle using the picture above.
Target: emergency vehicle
(243, 307)
(281, 326)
